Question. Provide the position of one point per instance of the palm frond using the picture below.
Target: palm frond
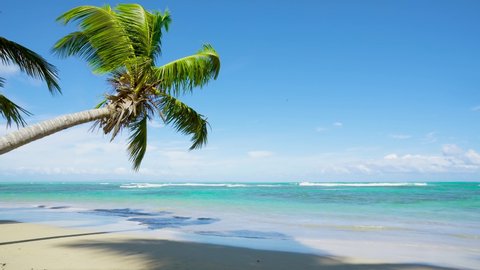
(143, 28)
(135, 22)
(157, 22)
(137, 142)
(106, 37)
(29, 62)
(184, 74)
(77, 43)
(185, 120)
(12, 112)
(2, 81)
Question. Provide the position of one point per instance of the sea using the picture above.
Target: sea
(435, 223)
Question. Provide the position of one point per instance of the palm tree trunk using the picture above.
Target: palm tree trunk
(34, 132)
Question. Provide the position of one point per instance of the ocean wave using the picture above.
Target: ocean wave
(141, 185)
(235, 185)
(313, 184)
(148, 185)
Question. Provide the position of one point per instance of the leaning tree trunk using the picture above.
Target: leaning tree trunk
(34, 132)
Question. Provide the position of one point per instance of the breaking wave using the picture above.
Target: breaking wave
(264, 185)
(312, 184)
(148, 185)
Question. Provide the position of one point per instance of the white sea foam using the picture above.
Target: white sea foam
(233, 185)
(148, 185)
(141, 185)
(312, 184)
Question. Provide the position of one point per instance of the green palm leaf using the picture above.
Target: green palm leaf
(157, 21)
(184, 74)
(12, 112)
(143, 28)
(77, 43)
(185, 120)
(137, 142)
(29, 62)
(108, 43)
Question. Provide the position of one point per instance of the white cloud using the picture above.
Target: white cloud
(260, 154)
(410, 163)
(452, 150)
(77, 154)
(400, 136)
(321, 129)
(338, 124)
(73, 151)
(8, 70)
(364, 169)
(453, 159)
(390, 157)
(473, 157)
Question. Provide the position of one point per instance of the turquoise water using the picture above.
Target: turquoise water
(439, 201)
(266, 215)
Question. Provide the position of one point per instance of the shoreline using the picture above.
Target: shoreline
(35, 246)
(406, 225)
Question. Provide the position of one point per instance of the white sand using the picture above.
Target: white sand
(39, 247)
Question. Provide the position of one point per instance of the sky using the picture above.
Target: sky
(308, 91)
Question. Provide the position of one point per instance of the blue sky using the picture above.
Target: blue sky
(308, 91)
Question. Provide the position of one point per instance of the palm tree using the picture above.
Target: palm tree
(125, 43)
(32, 64)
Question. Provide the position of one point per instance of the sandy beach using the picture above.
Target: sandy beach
(38, 247)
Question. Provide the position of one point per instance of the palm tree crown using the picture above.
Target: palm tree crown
(125, 43)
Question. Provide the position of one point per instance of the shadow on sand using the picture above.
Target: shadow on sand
(164, 255)
(50, 238)
(8, 222)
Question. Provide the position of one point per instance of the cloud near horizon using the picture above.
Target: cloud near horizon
(77, 154)
(453, 159)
